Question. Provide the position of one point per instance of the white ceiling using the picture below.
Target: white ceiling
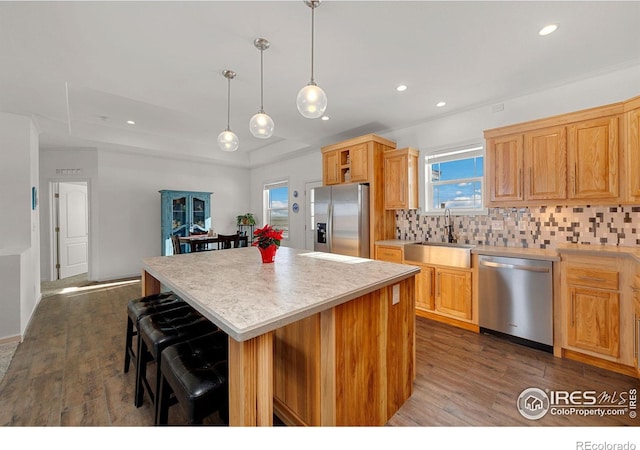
(84, 68)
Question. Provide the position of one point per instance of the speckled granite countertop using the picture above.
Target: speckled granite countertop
(247, 298)
(517, 252)
(538, 253)
(513, 252)
(601, 250)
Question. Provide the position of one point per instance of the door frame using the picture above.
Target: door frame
(53, 223)
(308, 234)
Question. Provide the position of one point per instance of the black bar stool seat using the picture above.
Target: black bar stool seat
(157, 332)
(142, 307)
(196, 372)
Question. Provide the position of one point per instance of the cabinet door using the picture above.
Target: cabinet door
(425, 298)
(593, 158)
(180, 215)
(594, 319)
(395, 185)
(331, 168)
(633, 145)
(505, 168)
(199, 213)
(545, 163)
(453, 292)
(359, 163)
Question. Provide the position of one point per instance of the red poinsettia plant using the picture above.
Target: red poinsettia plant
(266, 236)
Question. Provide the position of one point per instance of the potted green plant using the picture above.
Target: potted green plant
(246, 219)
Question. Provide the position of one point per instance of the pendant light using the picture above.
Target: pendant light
(227, 140)
(312, 101)
(261, 125)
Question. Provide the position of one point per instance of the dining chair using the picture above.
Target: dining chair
(228, 241)
(175, 241)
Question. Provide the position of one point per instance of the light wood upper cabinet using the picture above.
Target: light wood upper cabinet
(331, 168)
(505, 168)
(571, 159)
(358, 163)
(401, 179)
(545, 164)
(632, 136)
(593, 159)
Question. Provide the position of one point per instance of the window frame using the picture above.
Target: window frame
(472, 149)
(266, 209)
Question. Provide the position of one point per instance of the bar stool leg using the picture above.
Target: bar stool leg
(128, 344)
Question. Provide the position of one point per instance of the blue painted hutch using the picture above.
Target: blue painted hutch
(183, 213)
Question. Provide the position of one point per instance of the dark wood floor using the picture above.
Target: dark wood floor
(68, 372)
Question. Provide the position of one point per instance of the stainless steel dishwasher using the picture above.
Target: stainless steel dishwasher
(515, 297)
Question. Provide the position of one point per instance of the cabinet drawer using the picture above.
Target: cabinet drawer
(391, 254)
(597, 278)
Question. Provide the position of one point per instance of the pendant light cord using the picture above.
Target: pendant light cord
(228, 102)
(261, 81)
(313, 9)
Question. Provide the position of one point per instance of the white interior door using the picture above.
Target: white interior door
(74, 229)
(309, 220)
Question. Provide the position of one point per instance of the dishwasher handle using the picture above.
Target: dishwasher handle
(496, 265)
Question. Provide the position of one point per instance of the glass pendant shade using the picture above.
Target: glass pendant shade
(228, 141)
(311, 101)
(261, 125)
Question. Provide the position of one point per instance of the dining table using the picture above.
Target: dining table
(197, 242)
(319, 338)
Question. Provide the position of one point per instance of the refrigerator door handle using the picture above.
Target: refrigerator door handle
(330, 228)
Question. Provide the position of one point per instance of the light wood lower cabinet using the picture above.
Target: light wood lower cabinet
(594, 320)
(389, 253)
(425, 288)
(453, 292)
(348, 366)
(445, 294)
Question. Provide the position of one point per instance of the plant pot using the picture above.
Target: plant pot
(268, 254)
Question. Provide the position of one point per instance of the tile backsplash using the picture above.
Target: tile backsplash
(535, 227)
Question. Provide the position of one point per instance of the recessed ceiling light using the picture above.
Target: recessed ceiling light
(548, 29)
(401, 88)
(325, 117)
(441, 104)
(131, 122)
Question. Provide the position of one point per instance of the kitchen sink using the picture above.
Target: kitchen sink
(439, 253)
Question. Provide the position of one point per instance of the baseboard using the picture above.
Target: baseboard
(448, 320)
(598, 362)
(11, 339)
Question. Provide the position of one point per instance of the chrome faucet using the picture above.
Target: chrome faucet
(448, 226)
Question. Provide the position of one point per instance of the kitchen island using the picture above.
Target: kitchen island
(322, 339)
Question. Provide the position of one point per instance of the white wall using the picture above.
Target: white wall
(124, 210)
(298, 171)
(19, 231)
(469, 125)
(129, 205)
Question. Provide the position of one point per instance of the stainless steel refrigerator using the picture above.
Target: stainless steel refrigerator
(341, 213)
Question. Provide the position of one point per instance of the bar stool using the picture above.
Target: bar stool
(197, 374)
(142, 307)
(157, 332)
